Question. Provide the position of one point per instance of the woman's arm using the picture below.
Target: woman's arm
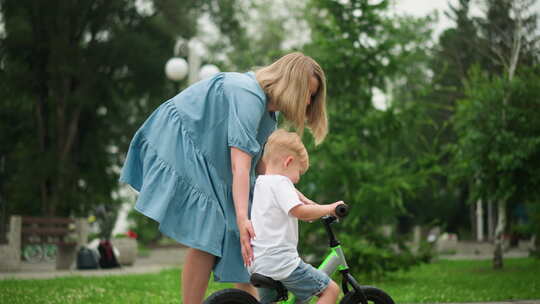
(241, 165)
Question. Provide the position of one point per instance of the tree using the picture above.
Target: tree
(72, 70)
(363, 160)
(76, 79)
(499, 140)
(507, 42)
(454, 54)
(263, 31)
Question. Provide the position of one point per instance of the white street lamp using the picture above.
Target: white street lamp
(177, 68)
(207, 71)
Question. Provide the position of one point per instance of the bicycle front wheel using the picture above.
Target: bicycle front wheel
(373, 295)
(231, 296)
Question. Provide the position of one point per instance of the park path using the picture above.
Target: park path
(158, 260)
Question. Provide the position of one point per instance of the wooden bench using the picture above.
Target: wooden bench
(47, 230)
(68, 234)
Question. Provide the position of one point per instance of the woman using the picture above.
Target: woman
(193, 161)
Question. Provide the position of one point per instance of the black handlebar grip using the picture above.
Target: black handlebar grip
(342, 210)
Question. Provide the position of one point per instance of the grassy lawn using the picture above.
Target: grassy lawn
(443, 281)
(466, 281)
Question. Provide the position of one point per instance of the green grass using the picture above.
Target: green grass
(443, 281)
(466, 281)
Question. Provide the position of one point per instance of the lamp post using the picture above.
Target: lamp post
(177, 68)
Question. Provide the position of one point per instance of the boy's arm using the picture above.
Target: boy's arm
(304, 199)
(310, 212)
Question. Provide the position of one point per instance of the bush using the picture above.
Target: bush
(147, 230)
(373, 254)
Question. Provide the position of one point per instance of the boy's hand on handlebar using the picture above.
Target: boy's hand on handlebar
(334, 206)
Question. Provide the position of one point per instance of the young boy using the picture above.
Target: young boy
(277, 206)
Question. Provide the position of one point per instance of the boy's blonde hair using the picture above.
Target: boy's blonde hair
(286, 83)
(281, 144)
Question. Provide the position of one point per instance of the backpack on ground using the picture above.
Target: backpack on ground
(107, 257)
(87, 259)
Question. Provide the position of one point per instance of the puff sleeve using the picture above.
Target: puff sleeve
(246, 109)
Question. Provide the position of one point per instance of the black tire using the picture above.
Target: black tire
(373, 295)
(231, 296)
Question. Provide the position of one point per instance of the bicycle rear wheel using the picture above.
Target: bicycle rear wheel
(373, 295)
(231, 296)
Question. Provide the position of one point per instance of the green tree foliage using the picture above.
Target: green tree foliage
(499, 137)
(410, 86)
(76, 79)
(499, 29)
(500, 141)
(506, 42)
(259, 35)
(445, 202)
(366, 160)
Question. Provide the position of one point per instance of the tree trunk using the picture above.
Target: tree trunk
(42, 121)
(499, 235)
(479, 221)
(472, 219)
(3, 207)
(491, 221)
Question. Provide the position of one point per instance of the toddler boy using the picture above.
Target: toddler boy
(277, 206)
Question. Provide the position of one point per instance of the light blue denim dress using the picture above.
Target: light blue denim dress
(179, 161)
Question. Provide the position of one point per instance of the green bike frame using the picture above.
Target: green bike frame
(335, 260)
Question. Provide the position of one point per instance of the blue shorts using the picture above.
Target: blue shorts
(304, 282)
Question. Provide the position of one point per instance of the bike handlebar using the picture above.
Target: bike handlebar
(342, 210)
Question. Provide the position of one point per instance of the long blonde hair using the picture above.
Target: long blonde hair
(286, 83)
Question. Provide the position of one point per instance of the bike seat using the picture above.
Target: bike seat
(261, 281)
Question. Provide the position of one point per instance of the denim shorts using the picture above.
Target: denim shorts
(304, 282)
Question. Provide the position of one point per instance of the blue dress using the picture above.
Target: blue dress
(179, 161)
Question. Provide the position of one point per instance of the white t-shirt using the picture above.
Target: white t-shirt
(276, 231)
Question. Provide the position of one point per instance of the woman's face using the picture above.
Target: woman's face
(313, 89)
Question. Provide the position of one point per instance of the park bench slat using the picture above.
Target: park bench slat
(44, 231)
(46, 220)
(58, 243)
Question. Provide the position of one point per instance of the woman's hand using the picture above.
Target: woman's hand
(246, 235)
(241, 165)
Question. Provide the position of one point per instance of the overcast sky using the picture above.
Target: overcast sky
(421, 8)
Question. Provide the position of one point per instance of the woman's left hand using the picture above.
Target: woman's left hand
(246, 235)
(241, 165)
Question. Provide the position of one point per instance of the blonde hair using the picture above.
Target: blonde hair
(281, 144)
(286, 83)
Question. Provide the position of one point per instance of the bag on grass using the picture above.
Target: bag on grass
(87, 259)
(107, 257)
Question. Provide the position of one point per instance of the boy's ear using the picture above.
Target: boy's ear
(288, 160)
